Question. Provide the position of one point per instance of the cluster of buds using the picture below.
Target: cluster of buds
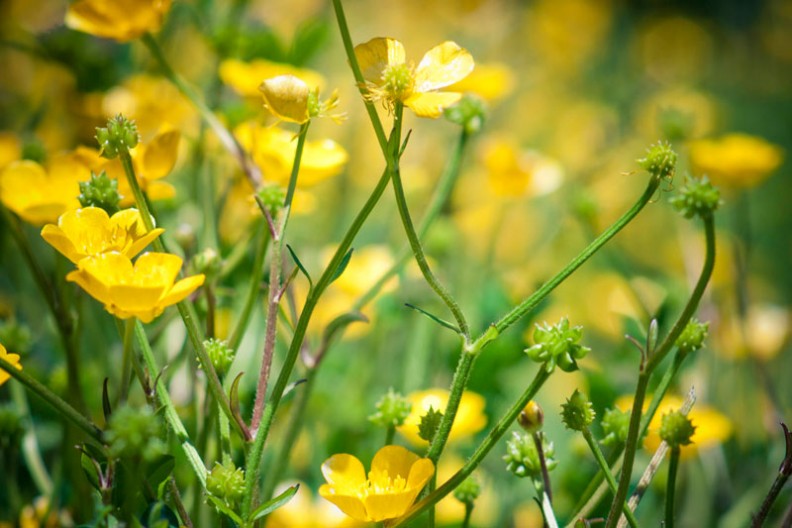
(120, 135)
(558, 345)
(100, 191)
(135, 432)
(615, 424)
(676, 429)
(692, 337)
(577, 413)
(226, 482)
(660, 161)
(220, 354)
(522, 457)
(469, 112)
(392, 410)
(697, 198)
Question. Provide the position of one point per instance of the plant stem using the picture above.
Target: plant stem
(784, 472)
(537, 439)
(468, 514)
(66, 410)
(254, 286)
(673, 466)
(171, 416)
(126, 360)
(251, 170)
(481, 451)
(186, 309)
(30, 447)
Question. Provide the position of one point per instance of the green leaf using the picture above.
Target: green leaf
(429, 424)
(159, 470)
(91, 469)
(308, 40)
(339, 324)
(273, 504)
(343, 265)
(223, 508)
(434, 318)
(300, 265)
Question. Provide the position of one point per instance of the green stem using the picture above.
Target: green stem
(657, 355)
(126, 360)
(30, 447)
(171, 416)
(252, 172)
(254, 286)
(548, 491)
(481, 451)
(673, 465)
(458, 384)
(468, 514)
(603, 464)
(186, 309)
(66, 410)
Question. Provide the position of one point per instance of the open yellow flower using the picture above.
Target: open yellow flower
(121, 20)
(40, 196)
(143, 290)
(469, 420)
(396, 477)
(11, 358)
(735, 160)
(89, 231)
(390, 79)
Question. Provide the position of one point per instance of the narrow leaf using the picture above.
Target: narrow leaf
(273, 504)
(300, 265)
(434, 318)
(343, 265)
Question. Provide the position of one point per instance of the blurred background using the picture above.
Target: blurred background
(575, 91)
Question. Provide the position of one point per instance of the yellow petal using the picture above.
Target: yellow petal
(394, 460)
(373, 56)
(442, 66)
(344, 472)
(286, 96)
(431, 104)
(159, 156)
(10, 358)
(140, 244)
(182, 289)
(349, 504)
(388, 506)
(56, 238)
(420, 473)
(134, 298)
(160, 190)
(157, 268)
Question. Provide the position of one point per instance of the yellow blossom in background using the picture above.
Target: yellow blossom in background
(469, 420)
(273, 150)
(491, 81)
(712, 427)
(735, 160)
(10, 148)
(142, 290)
(89, 231)
(396, 478)
(40, 196)
(10, 358)
(514, 173)
(121, 20)
(762, 333)
(245, 77)
(390, 79)
(305, 511)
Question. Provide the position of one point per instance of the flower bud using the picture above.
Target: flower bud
(522, 458)
(660, 161)
(226, 482)
(207, 262)
(692, 337)
(470, 112)
(558, 345)
(577, 413)
(615, 425)
(272, 197)
(120, 135)
(531, 418)
(697, 198)
(676, 429)
(135, 433)
(101, 191)
(469, 490)
(392, 410)
(220, 354)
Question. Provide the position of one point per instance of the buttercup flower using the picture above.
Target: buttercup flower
(396, 477)
(245, 77)
(11, 358)
(735, 160)
(143, 290)
(121, 20)
(469, 420)
(289, 98)
(305, 510)
(90, 231)
(40, 196)
(390, 79)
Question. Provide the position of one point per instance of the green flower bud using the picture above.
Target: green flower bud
(11, 428)
(531, 418)
(392, 410)
(429, 424)
(676, 429)
(660, 160)
(697, 198)
(692, 337)
(470, 112)
(207, 262)
(226, 482)
(15, 337)
(120, 135)
(558, 345)
(469, 490)
(34, 151)
(615, 425)
(522, 458)
(675, 125)
(101, 191)
(135, 433)
(577, 413)
(220, 354)
(272, 197)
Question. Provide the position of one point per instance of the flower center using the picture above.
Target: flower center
(398, 81)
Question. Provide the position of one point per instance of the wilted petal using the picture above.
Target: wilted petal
(286, 96)
(442, 66)
(376, 54)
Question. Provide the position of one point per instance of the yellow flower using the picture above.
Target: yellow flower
(395, 479)
(712, 427)
(273, 151)
(245, 77)
(489, 81)
(121, 20)
(90, 231)
(10, 148)
(390, 79)
(515, 173)
(306, 511)
(735, 160)
(40, 196)
(143, 290)
(469, 420)
(11, 358)
(289, 98)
